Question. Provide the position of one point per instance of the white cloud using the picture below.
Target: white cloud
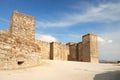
(103, 13)
(100, 39)
(52, 24)
(46, 38)
(110, 41)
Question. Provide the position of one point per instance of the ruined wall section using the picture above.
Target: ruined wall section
(26, 51)
(59, 51)
(17, 53)
(5, 48)
(44, 49)
(22, 26)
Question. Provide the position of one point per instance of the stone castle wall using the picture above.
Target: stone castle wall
(86, 48)
(80, 51)
(86, 51)
(59, 51)
(73, 51)
(16, 52)
(19, 49)
(44, 49)
(90, 49)
(93, 48)
(22, 26)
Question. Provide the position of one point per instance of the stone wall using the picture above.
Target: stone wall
(90, 49)
(16, 52)
(44, 49)
(85, 51)
(59, 51)
(73, 51)
(18, 47)
(5, 49)
(22, 25)
(80, 51)
(93, 48)
(86, 48)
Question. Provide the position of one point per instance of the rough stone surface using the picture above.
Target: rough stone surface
(86, 51)
(14, 50)
(19, 49)
(73, 51)
(59, 51)
(90, 52)
(22, 26)
(44, 49)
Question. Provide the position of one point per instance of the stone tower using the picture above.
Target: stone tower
(22, 25)
(89, 48)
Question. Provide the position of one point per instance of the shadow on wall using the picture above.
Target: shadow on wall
(112, 75)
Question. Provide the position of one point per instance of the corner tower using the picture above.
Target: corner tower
(22, 25)
(90, 48)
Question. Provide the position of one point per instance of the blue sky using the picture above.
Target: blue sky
(67, 20)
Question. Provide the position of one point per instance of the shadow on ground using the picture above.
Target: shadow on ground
(112, 75)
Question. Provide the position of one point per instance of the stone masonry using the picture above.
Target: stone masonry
(85, 51)
(22, 26)
(59, 51)
(89, 48)
(73, 51)
(19, 49)
(16, 52)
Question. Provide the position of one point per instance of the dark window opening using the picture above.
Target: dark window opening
(20, 62)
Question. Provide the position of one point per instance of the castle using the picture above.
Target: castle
(19, 49)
